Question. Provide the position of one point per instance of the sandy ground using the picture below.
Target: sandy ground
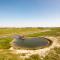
(42, 52)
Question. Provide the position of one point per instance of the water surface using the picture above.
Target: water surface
(32, 42)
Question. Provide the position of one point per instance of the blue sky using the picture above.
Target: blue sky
(29, 13)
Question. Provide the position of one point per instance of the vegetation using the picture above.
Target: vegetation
(52, 32)
(5, 43)
(24, 31)
(33, 57)
(30, 32)
(5, 54)
(53, 55)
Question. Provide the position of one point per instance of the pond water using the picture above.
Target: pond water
(32, 42)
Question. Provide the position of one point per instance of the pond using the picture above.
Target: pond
(31, 43)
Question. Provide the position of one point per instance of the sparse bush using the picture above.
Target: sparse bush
(55, 55)
(34, 57)
(6, 55)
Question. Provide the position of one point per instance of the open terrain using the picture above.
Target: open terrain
(49, 53)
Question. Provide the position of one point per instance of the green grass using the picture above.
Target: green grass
(27, 32)
(34, 57)
(30, 31)
(5, 43)
(24, 31)
(6, 55)
(54, 32)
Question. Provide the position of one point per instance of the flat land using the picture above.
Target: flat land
(6, 36)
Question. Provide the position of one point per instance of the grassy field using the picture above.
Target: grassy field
(24, 31)
(27, 32)
(5, 43)
(30, 31)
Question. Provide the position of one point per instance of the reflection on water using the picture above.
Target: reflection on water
(31, 42)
